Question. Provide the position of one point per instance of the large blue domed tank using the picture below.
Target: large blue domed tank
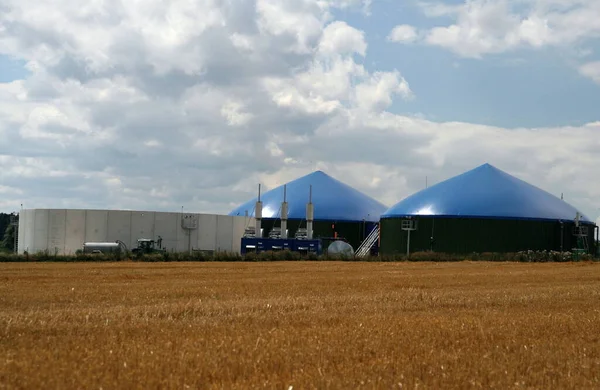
(485, 191)
(484, 210)
(332, 199)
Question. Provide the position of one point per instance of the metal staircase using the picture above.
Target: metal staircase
(581, 233)
(365, 248)
(585, 244)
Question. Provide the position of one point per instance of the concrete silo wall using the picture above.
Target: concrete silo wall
(75, 228)
(96, 225)
(64, 231)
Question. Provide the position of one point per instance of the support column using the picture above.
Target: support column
(310, 214)
(284, 214)
(258, 215)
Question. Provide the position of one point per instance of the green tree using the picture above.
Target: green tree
(8, 238)
(4, 222)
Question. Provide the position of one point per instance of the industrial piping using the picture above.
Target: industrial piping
(258, 216)
(310, 212)
(284, 214)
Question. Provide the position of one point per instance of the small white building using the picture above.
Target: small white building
(63, 231)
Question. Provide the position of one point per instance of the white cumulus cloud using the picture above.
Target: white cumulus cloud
(483, 27)
(339, 38)
(403, 33)
(591, 70)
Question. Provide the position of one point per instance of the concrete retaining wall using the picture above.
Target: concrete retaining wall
(64, 231)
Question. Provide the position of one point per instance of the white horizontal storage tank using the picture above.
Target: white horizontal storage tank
(63, 231)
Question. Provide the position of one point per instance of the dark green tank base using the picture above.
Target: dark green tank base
(479, 235)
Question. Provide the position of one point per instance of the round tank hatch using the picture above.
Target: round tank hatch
(340, 248)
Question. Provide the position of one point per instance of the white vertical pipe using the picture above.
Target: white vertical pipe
(284, 213)
(310, 213)
(258, 215)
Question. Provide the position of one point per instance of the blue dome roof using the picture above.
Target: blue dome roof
(332, 200)
(485, 192)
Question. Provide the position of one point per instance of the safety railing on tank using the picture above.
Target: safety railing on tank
(365, 248)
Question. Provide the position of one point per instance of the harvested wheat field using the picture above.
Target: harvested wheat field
(299, 325)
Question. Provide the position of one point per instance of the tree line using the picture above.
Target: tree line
(7, 232)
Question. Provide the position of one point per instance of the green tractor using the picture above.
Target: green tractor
(148, 246)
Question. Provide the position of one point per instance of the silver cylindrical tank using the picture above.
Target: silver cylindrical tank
(101, 247)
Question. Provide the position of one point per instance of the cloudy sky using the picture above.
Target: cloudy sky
(162, 104)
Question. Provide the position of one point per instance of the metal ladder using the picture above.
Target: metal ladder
(584, 243)
(367, 244)
(581, 232)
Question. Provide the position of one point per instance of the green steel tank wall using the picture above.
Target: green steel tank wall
(353, 232)
(468, 235)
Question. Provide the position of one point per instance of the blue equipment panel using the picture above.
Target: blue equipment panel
(275, 244)
(308, 246)
(250, 245)
(258, 245)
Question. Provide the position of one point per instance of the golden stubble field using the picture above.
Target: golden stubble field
(299, 325)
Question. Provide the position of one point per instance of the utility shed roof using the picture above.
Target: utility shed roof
(485, 192)
(332, 200)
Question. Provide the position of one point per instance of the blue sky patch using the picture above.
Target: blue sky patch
(11, 69)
